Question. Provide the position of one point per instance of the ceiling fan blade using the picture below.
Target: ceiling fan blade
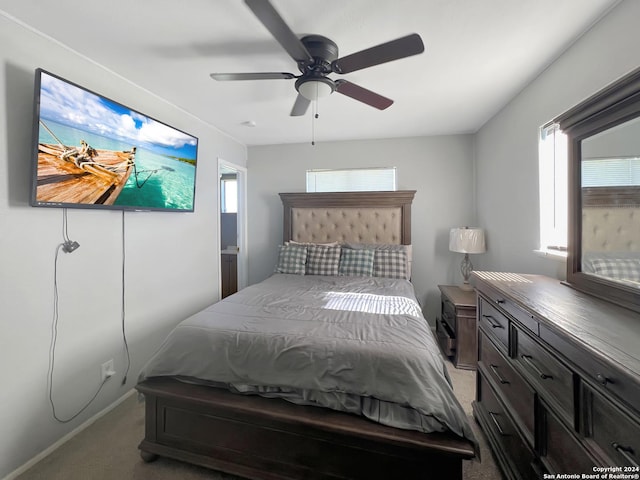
(300, 107)
(385, 52)
(272, 20)
(363, 95)
(223, 77)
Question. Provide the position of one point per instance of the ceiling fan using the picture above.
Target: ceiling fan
(317, 57)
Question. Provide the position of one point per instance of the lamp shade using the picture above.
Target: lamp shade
(467, 240)
(315, 89)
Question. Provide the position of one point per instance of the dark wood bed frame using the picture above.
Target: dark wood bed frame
(263, 438)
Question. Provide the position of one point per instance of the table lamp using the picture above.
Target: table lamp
(466, 240)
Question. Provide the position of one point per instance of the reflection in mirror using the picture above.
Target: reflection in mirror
(610, 174)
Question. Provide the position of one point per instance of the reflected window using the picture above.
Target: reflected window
(610, 172)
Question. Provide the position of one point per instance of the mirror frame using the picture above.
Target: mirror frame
(615, 104)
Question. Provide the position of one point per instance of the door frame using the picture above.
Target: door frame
(241, 224)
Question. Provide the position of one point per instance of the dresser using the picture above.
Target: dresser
(558, 383)
(456, 328)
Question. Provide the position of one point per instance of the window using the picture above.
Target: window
(553, 163)
(351, 180)
(229, 194)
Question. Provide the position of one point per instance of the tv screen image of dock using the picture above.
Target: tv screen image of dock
(93, 152)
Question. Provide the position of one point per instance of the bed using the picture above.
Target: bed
(333, 374)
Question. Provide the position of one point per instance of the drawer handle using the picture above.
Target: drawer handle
(497, 424)
(494, 369)
(493, 324)
(602, 379)
(528, 361)
(499, 302)
(625, 451)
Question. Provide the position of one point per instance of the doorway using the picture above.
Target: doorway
(232, 227)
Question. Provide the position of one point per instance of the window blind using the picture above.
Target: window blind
(352, 180)
(611, 172)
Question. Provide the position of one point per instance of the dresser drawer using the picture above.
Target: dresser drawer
(561, 450)
(446, 338)
(502, 429)
(493, 322)
(611, 432)
(550, 377)
(598, 372)
(525, 318)
(513, 389)
(449, 315)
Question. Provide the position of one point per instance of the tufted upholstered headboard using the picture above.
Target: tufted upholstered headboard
(611, 220)
(360, 217)
(611, 229)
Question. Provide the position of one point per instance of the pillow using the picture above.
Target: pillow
(618, 268)
(322, 260)
(291, 259)
(306, 244)
(357, 263)
(390, 264)
(386, 246)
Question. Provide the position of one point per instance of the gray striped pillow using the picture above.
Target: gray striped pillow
(619, 268)
(291, 259)
(357, 263)
(323, 260)
(390, 264)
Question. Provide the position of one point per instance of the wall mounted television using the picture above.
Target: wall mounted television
(92, 152)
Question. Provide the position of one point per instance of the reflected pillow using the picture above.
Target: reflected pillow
(618, 268)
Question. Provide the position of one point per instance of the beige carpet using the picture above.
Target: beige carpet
(108, 450)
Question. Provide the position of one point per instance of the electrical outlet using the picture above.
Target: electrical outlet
(107, 370)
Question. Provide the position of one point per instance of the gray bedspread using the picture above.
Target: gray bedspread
(355, 344)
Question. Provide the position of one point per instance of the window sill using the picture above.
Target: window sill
(551, 254)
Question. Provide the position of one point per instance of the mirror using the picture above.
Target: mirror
(604, 193)
(610, 181)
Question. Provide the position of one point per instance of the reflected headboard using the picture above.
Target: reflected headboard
(359, 217)
(611, 219)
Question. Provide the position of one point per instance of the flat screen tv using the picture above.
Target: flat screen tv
(92, 152)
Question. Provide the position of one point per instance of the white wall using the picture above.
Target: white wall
(507, 145)
(171, 260)
(439, 168)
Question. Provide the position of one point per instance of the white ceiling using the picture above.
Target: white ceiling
(478, 55)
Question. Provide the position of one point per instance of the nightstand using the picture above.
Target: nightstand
(456, 328)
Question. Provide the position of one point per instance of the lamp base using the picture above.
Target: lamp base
(466, 268)
(466, 286)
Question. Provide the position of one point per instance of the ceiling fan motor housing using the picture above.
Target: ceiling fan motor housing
(323, 50)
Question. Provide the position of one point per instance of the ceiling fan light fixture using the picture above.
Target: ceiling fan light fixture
(314, 88)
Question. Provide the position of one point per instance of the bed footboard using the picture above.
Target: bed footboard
(261, 438)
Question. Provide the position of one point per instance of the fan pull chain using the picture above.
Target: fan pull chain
(314, 116)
